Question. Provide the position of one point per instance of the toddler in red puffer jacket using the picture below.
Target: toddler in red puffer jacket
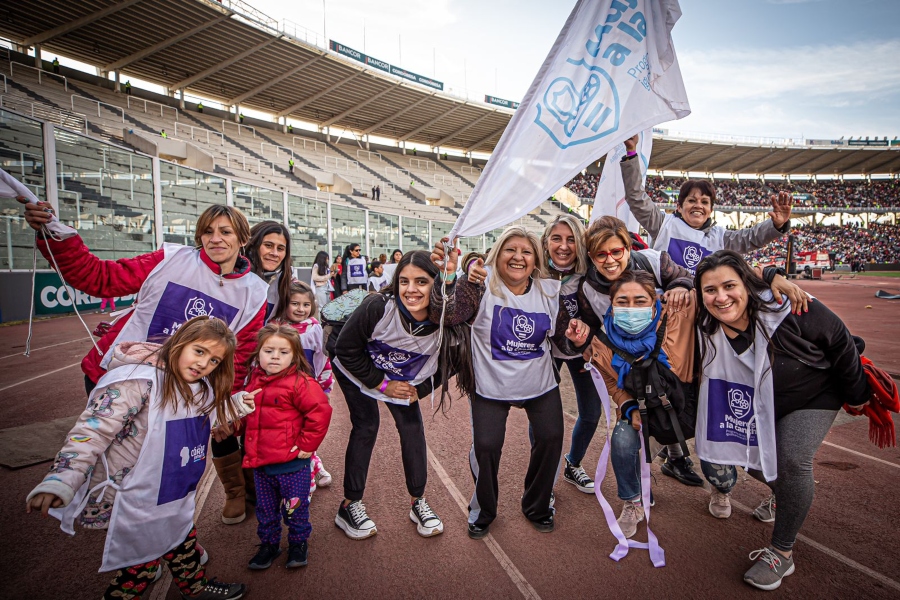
(290, 421)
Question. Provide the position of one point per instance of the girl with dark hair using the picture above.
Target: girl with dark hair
(771, 384)
(166, 396)
(689, 233)
(389, 351)
(321, 278)
(353, 269)
(269, 253)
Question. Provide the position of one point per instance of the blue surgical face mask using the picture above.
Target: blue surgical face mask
(632, 320)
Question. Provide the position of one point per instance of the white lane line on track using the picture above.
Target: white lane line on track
(39, 376)
(835, 555)
(44, 348)
(161, 588)
(863, 455)
(505, 562)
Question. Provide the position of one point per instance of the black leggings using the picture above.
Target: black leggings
(365, 420)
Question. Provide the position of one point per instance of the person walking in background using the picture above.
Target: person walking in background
(353, 273)
(321, 278)
(128, 87)
(337, 270)
(111, 302)
(56, 65)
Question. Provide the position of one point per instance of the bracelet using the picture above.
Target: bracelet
(448, 277)
(632, 153)
(383, 386)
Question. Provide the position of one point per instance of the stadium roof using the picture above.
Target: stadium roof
(234, 54)
(231, 53)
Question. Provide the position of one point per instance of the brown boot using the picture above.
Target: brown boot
(232, 477)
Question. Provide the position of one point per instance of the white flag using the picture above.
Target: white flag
(611, 73)
(610, 199)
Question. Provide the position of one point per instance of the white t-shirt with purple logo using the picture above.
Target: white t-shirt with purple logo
(511, 347)
(688, 246)
(356, 271)
(401, 355)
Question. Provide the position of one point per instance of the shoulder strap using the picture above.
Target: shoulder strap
(660, 337)
(627, 357)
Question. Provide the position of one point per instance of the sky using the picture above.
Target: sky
(767, 68)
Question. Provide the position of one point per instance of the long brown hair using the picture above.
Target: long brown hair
(298, 287)
(219, 381)
(276, 329)
(251, 250)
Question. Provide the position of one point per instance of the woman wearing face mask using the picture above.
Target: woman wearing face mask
(173, 284)
(389, 351)
(780, 377)
(353, 269)
(689, 233)
(514, 314)
(269, 253)
(631, 324)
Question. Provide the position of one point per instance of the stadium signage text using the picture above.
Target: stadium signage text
(51, 297)
(383, 66)
(500, 102)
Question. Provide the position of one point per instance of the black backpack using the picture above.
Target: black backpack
(668, 406)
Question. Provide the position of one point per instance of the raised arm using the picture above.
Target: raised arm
(642, 206)
(758, 236)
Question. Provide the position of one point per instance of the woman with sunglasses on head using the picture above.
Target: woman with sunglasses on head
(353, 269)
(771, 385)
(514, 313)
(689, 234)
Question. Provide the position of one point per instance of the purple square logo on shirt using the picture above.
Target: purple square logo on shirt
(687, 254)
(730, 412)
(518, 335)
(184, 459)
(357, 270)
(179, 304)
(397, 364)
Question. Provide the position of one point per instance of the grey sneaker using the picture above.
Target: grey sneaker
(765, 512)
(632, 514)
(719, 504)
(769, 569)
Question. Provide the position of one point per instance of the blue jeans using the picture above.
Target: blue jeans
(625, 454)
(589, 407)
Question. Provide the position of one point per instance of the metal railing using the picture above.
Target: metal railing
(111, 107)
(239, 126)
(369, 155)
(203, 133)
(446, 179)
(40, 73)
(278, 149)
(240, 159)
(162, 107)
(39, 110)
(338, 162)
(397, 172)
(306, 141)
(421, 163)
(471, 170)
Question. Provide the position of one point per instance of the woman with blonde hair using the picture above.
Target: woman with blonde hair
(514, 312)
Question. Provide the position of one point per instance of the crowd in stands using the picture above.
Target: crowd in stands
(880, 243)
(883, 193)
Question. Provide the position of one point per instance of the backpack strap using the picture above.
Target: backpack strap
(604, 339)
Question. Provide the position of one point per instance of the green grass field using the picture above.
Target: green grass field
(881, 274)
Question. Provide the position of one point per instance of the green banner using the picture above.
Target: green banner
(51, 297)
(500, 102)
(383, 66)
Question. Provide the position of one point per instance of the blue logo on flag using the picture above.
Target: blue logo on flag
(184, 459)
(580, 109)
(179, 304)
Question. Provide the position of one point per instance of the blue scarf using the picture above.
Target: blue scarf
(638, 344)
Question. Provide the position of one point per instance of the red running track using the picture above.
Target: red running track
(848, 544)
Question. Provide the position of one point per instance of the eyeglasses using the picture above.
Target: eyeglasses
(355, 250)
(616, 253)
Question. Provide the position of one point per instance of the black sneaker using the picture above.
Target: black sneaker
(680, 470)
(476, 532)
(575, 475)
(543, 525)
(427, 523)
(354, 521)
(264, 556)
(298, 555)
(217, 590)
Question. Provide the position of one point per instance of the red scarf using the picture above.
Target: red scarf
(885, 398)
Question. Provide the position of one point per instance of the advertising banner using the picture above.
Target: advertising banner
(51, 297)
(500, 102)
(383, 66)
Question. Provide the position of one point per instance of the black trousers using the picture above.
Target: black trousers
(365, 420)
(489, 431)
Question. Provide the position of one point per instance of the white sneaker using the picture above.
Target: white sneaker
(323, 477)
(632, 514)
(719, 504)
(427, 523)
(354, 521)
